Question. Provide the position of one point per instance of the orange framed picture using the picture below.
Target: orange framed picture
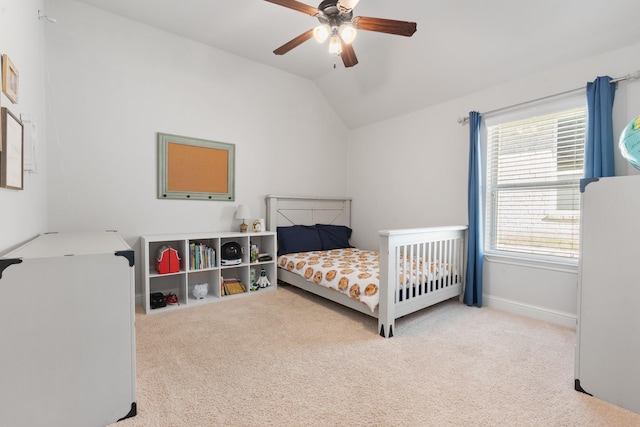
(9, 79)
(195, 169)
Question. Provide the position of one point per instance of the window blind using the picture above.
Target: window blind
(534, 168)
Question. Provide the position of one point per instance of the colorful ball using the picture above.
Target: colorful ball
(629, 143)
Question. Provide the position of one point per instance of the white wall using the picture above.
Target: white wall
(115, 83)
(24, 213)
(408, 172)
(112, 84)
(411, 171)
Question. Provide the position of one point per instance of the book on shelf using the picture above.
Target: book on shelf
(264, 257)
(201, 256)
(232, 287)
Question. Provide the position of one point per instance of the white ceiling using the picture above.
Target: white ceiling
(461, 46)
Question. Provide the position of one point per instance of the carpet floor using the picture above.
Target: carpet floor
(288, 358)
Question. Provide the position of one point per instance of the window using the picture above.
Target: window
(534, 167)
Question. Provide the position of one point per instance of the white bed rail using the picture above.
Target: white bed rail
(421, 267)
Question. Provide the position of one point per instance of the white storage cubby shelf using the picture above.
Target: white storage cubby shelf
(182, 283)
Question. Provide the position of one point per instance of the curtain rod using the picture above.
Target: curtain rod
(463, 120)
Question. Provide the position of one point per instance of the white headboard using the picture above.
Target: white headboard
(284, 211)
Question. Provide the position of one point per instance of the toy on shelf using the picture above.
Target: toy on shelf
(200, 291)
(167, 260)
(231, 254)
(262, 281)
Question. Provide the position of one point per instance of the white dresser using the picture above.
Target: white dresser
(608, 330)
(67, 332)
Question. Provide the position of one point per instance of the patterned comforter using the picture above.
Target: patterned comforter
(356, 272)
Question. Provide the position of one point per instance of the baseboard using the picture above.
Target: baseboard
(552, 316)
(541, 313)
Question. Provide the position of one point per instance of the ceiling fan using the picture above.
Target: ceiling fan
(339, 25)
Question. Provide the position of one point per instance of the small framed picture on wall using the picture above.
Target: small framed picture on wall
(9, 79)
(11, 151)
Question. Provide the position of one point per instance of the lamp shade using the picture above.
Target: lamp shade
(347, 33)
(335, 47)
(321, 32)
(243, 212)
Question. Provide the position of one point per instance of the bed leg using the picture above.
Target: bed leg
(386, 334)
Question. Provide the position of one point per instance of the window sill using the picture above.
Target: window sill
(566, 266)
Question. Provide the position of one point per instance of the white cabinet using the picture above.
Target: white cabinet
(608, 330)
(182, 282)
(67, 332)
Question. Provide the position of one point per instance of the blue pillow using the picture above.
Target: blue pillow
(334, 236)
(298, 238)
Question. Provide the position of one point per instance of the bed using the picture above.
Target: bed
(413, 269)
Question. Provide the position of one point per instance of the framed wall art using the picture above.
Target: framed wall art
(195, 169)
(9, 79)
(12, 151)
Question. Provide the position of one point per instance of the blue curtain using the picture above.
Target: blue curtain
(599, 144)
(473, 288)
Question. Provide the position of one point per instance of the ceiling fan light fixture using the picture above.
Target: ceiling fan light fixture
(335, 46)
(321, 33)
(347, 33)
(339, 25)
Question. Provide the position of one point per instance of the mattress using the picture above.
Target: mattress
(356, 272)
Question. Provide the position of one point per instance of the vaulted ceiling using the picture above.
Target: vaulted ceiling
(461, 46)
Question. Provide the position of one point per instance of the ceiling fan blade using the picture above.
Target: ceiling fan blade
(347, 6)
(296, 5)
(294, 42)
(389, 26)
(348, 55)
